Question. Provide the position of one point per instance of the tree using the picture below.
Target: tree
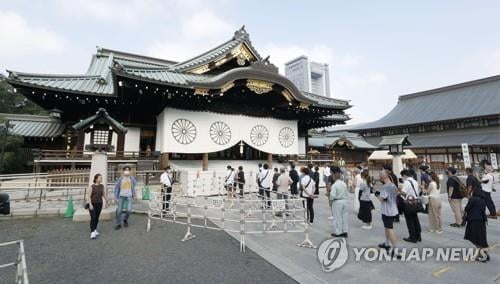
(14, 102)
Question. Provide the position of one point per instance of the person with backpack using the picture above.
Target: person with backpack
(307, 184)
(409, 191)
(455, 196)
(229, 182)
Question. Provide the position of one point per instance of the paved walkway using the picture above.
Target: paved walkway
(302, 264)
(60, 251)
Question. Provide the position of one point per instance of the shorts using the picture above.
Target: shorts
(388, 221)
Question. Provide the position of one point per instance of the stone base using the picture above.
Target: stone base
(82, 215)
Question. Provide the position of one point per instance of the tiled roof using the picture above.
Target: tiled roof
(470, 99)
(89, 84)
(39, 129)
(165, 75)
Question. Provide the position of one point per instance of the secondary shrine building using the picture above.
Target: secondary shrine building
(227, 103)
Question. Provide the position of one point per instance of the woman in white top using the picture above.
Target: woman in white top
(307, 184)
(434, 204)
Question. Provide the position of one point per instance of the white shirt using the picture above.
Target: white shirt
(357, 181)
(326, 172)
(433, 190)
(488, 186)
(265, 178)
(283, 182)
(229, 177)
(307, 185)
(408, 189)
(166, 179)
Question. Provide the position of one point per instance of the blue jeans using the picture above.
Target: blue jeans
(119, 211)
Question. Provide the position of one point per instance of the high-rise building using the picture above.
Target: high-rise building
(309, 76)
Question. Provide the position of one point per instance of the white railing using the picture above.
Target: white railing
(233, 212)
(19, 262)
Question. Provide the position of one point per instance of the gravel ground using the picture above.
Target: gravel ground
(60, 251)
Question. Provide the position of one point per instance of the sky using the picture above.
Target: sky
(377, 50)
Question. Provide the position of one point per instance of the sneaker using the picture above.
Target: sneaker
(439, 231)
(431, 231)
(455, 225)
(96, 233)
(384, 246)
(330, 217)
(125, 223)
(92, 235)
(118, 227)
(366, 227)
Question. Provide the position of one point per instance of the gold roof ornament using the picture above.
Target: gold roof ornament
(259, 87)
(226, 87)
(201, 91)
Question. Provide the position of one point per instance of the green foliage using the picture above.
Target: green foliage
(14, 159)
(12, 102)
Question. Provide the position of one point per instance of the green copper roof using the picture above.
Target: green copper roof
(39, 129)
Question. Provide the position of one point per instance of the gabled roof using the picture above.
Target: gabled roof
(101, 117)
(353, 140)
(470, 99)
(240, 37)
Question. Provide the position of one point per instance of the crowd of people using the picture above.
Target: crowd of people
(408, 195)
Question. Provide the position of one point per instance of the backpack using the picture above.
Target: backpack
(462, 188)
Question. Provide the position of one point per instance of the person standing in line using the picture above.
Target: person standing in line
(307, 185)
(124, 192)
(166, 180)
(229, 182)
(472, 182)
(338, 199)
(388, 207)
(425, 178)
(394, 180)
(259, 170)
(316, 180)
(356, 185)
(454, 196)
(295, 180)
(410, 190)
(434, 203)
(265, 181)
(476, 220)
(327, 178)
(95, 198)
(487, 187)
(276, 174)
(284, 181)
(365, 201)
(240, 178)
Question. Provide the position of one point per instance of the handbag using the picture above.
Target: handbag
(413, 204)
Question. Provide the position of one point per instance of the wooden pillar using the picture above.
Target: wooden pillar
(164, 160)
(120, 144)
(80, 140)
(269, 159)
(204, 162)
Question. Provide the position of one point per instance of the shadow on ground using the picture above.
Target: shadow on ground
(60, 251)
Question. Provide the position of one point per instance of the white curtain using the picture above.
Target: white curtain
(181, 131)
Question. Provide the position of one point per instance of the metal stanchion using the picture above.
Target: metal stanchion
(189, 235)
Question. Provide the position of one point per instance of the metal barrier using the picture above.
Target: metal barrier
(20, 262)
(248, 214)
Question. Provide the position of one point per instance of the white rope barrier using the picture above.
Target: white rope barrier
(248, 214)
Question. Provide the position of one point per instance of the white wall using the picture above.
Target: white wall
(302, 145)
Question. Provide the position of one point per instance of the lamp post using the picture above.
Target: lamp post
(395, 144)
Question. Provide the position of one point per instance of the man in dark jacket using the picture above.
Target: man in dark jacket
(295, 180)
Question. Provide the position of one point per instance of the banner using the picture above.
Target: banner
(182, 131)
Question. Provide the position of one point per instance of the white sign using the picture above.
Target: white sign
(465, 155)
(494, 163)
